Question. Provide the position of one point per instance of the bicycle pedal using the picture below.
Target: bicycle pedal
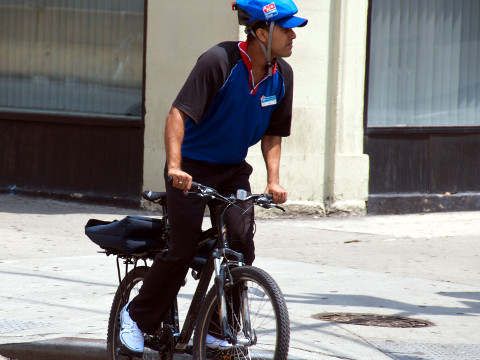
(220, 354)
(124, 351)
(230, 357)
(121, 351)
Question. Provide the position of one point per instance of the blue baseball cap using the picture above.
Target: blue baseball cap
(280, 11)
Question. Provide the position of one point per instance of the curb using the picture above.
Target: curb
(64, 349)
(56, 349)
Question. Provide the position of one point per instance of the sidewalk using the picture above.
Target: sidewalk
(56, 290)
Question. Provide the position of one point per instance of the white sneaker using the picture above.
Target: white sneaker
(217, 344)
(130, 335)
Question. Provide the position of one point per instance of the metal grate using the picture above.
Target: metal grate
(12, 325)
(372, 320)
(414, 351)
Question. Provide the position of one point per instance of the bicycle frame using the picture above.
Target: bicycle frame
(214, 265)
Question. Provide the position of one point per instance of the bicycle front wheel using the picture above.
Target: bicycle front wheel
(257, 317)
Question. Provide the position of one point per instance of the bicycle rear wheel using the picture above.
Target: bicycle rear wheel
(131, 284)
(264, 333)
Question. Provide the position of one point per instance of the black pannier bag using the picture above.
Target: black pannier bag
(131, 235)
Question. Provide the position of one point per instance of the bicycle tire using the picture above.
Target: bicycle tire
(268, 316)
(131, 283)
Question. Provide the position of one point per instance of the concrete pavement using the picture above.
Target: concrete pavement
(56, 290)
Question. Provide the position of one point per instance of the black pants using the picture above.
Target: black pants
(185, 214)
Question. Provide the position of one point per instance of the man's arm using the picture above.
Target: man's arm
(271, 150)
(174, 132)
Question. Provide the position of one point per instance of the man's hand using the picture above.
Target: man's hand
(279, 193)
(181, 180)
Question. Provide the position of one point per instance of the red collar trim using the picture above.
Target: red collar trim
(243, 46)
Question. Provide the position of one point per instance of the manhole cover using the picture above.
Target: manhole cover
(372, 320)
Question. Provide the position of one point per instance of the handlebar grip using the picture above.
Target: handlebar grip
(193, 187)
(269, 196)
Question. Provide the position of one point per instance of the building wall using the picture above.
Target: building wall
(178, 32)
(349, 166)
(322, 161)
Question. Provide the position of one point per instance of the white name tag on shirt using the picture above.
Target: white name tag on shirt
(268, 100)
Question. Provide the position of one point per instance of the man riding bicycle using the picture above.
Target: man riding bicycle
(238, 93)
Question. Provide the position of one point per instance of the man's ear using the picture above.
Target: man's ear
(262, 34)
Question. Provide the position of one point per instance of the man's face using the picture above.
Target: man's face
(282, 41)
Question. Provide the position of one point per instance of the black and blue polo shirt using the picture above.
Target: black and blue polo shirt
(227, 112)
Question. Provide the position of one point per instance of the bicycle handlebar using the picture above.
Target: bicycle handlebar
(263, 200)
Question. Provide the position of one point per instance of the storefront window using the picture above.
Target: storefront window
(72, 56)
(424, 63)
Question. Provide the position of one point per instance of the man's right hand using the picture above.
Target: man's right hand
(180, 180)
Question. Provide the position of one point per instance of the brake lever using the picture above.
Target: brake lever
(202, 191)
(266, 203)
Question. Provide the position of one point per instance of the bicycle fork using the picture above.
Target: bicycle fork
(221, 271)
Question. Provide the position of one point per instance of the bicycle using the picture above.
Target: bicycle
(244, 306)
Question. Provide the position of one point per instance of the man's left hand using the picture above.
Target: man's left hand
(279, 193)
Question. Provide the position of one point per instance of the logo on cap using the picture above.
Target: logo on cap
(270, 10)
